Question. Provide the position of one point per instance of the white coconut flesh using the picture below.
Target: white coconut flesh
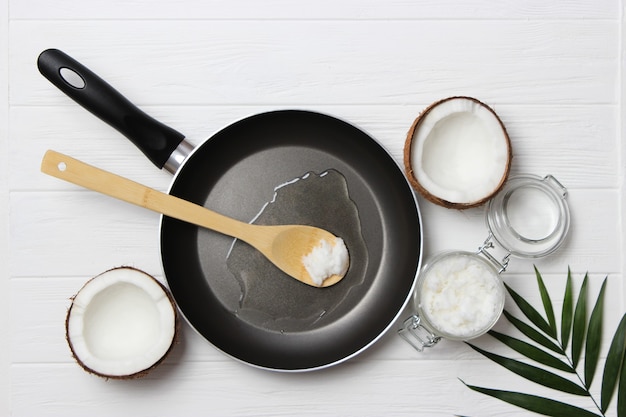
(460, 151)
(121, 323)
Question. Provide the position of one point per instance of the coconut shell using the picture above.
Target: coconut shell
(408, 163)
(143, 372)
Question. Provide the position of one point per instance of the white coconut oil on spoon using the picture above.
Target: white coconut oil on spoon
(270, 300)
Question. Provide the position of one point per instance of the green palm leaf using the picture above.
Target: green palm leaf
(621, 392)
(581, 334)
(579, 323)
(530, 312)
(534, 403)
(532, 352)
(531, 333)
(532, 373)
(594, 337)
(547, 303)
(613, 364)
(567, 311)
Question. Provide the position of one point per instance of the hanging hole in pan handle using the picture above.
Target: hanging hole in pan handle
(72, 78)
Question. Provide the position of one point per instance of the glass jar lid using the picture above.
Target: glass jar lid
(529, 217)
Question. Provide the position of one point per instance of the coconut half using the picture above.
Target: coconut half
(457, 153)
(121, 324)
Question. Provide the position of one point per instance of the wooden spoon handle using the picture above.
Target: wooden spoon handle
(72, 170)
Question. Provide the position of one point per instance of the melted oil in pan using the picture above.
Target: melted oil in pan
(272, 300)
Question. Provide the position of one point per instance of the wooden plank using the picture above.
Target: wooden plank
(574, 143)
(622, 134)
(589, 245)
(5, 355)
(315, 62)
(39, 306)
(321, 9)
(110, 233)
(230, 389)
(106, 233)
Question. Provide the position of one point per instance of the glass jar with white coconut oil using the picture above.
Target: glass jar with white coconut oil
(459, 295)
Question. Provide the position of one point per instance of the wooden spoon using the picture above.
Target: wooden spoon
(284, 245)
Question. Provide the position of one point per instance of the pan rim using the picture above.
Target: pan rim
(408, 295)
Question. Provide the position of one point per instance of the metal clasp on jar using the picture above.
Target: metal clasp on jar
(488, 244)
(417, 335)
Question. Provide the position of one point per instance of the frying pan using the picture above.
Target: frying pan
(282, 166)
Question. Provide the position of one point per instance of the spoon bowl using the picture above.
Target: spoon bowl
(293, 242)
(284, 245)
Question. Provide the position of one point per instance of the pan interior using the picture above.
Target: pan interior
(236, 173)
(269, 298)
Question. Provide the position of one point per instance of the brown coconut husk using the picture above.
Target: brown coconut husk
(135, 375)
(408, 163)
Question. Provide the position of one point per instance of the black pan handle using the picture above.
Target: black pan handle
(156, 140)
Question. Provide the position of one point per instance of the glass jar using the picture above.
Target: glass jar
(460, 295)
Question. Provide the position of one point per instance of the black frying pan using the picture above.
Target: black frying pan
(312, 169)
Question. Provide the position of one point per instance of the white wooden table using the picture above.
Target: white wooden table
(553, 70)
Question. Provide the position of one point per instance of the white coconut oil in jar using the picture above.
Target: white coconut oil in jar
(459, 296)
